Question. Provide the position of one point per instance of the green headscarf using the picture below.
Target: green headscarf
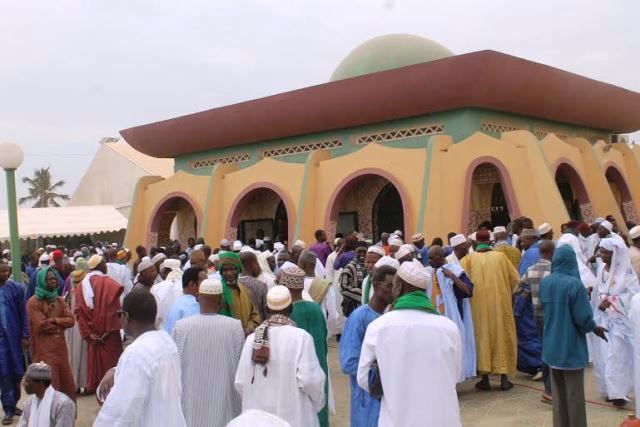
(416, 300)
(41, 287)
(228, 258)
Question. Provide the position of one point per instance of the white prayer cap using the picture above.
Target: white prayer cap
(398, 233)
(606, 224)
(53, 247)
(237, 245)
(414, 275)
(376, 250)
(145, 264)
(114, 245)
(473, 236)
(387, 260)
(278, 298)
(544, 228)
(404, 251)
(395, 241)
(76, 254)
(257, 417)
(300, 244)
(598, 220)
(499, 229)
(95, 261)
(607, 244)
(225, 243)
(287, 264)
(210, 287)
(6, 252)
(198, 247)
(336, 241)
(246, 249)
(158, 258)
(173, 264)
(213, 258)
(458, 239)
(634, 233)
(278, 246)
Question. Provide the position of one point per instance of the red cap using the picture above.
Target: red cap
(483, 236)
(57, 255)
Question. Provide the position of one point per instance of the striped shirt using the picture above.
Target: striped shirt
(258, 292)
(530, 284)
(209, 346)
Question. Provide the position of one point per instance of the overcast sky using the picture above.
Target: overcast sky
(74, 71)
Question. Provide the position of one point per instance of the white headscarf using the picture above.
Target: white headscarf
(622, 281)
(586, 275)
(264, 264)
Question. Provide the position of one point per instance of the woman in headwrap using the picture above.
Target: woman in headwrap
(76, 345)
(49, 316)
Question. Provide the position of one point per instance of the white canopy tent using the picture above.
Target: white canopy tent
(34, 223)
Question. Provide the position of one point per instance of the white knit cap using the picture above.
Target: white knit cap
(198, 247)
(395, 241)
(606, 224)
(544, 228)
(278, 298)
(414, 275)
(300, 244)
(225, 243)
(158, 257)
(387, 260)
(404, 251)
(278, 246)
(145, 264)
(213, 258)
(237, 245)
(94, 261)
(375, 249)
(634, 233)
(458, 239)
(500, 229)
(173, 264)
(398, 233)
(246, 249)
(210, 287)
(473, 237)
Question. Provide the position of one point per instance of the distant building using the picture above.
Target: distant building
(406, 136)
(111, 177)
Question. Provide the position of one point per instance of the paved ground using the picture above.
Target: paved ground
(519, 407)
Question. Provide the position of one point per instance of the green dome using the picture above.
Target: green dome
(388, 52)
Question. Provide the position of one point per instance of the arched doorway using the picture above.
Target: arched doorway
(175, 218)
(488, 200)
(574, 194)
(621, 193)
(261, 211)
(369, 204)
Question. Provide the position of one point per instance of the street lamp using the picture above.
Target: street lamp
(10, 159)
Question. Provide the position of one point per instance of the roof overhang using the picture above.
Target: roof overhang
(486, 79)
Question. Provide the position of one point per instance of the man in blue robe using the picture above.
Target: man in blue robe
(14, 336)
(365, 409)
(529, 345)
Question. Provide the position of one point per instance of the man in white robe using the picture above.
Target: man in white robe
(617, 284)
(168, 291)
(145, 387)
(460, 247)
(47, 406)
(118, 272)
(419, 356)
(634, 250)
(279, 371)
(209, 345)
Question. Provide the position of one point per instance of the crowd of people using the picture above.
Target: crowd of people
(238, 334)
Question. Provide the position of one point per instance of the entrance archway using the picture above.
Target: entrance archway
(489, 196)
(259, 211)
(621, 193)
(574, 193)
(369, 203)
(175, 218)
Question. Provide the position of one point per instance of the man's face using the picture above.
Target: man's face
(526, 242)
(191, 242)
(419, 244)
(603, 231)
(605, 256)
(282, 258)
(4, 273)
(198, 263)
(30, 385)
(585, 232)
(436, 260)
(149, 275)
(370, 261)
(52, 281)
(230, 274)
(393, 249)
(361, 253)
(384, 238)
(384, 289)
(461, 250)
(272, 263)
(396, 289)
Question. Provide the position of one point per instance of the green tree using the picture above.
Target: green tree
(41, 190)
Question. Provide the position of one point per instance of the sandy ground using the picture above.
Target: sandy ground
(519, 407)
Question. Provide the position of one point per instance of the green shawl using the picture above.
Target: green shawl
(367, 289)
(416, 300)
(233, 259)
(41, 286)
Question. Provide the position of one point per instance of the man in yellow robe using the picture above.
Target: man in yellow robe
(502, 245)
(237, 302)
(494, 278)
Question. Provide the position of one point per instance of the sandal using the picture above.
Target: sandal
(483, 385)
(7, 420)
(18, 411)
(546, 398)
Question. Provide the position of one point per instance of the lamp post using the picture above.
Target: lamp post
(10, 159)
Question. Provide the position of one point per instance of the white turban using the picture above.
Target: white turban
(158, 257)
(404, 251)
(376, 250)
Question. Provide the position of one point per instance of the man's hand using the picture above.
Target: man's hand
(25, 343)
(599, 331)
(106, 385)
(95, 337)
(448, 273)
(604, 305)
(247, 332)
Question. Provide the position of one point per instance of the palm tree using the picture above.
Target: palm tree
(41, 190)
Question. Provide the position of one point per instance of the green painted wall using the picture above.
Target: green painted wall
(459, 124)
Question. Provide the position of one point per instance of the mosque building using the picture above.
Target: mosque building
(405, 135)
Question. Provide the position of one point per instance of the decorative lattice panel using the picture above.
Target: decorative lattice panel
(223, 160)
(486, 174)
(302, 148)
(499, 127)
(541, 134)
(394, 135)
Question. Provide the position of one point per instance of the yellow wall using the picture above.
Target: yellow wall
(309, 187)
